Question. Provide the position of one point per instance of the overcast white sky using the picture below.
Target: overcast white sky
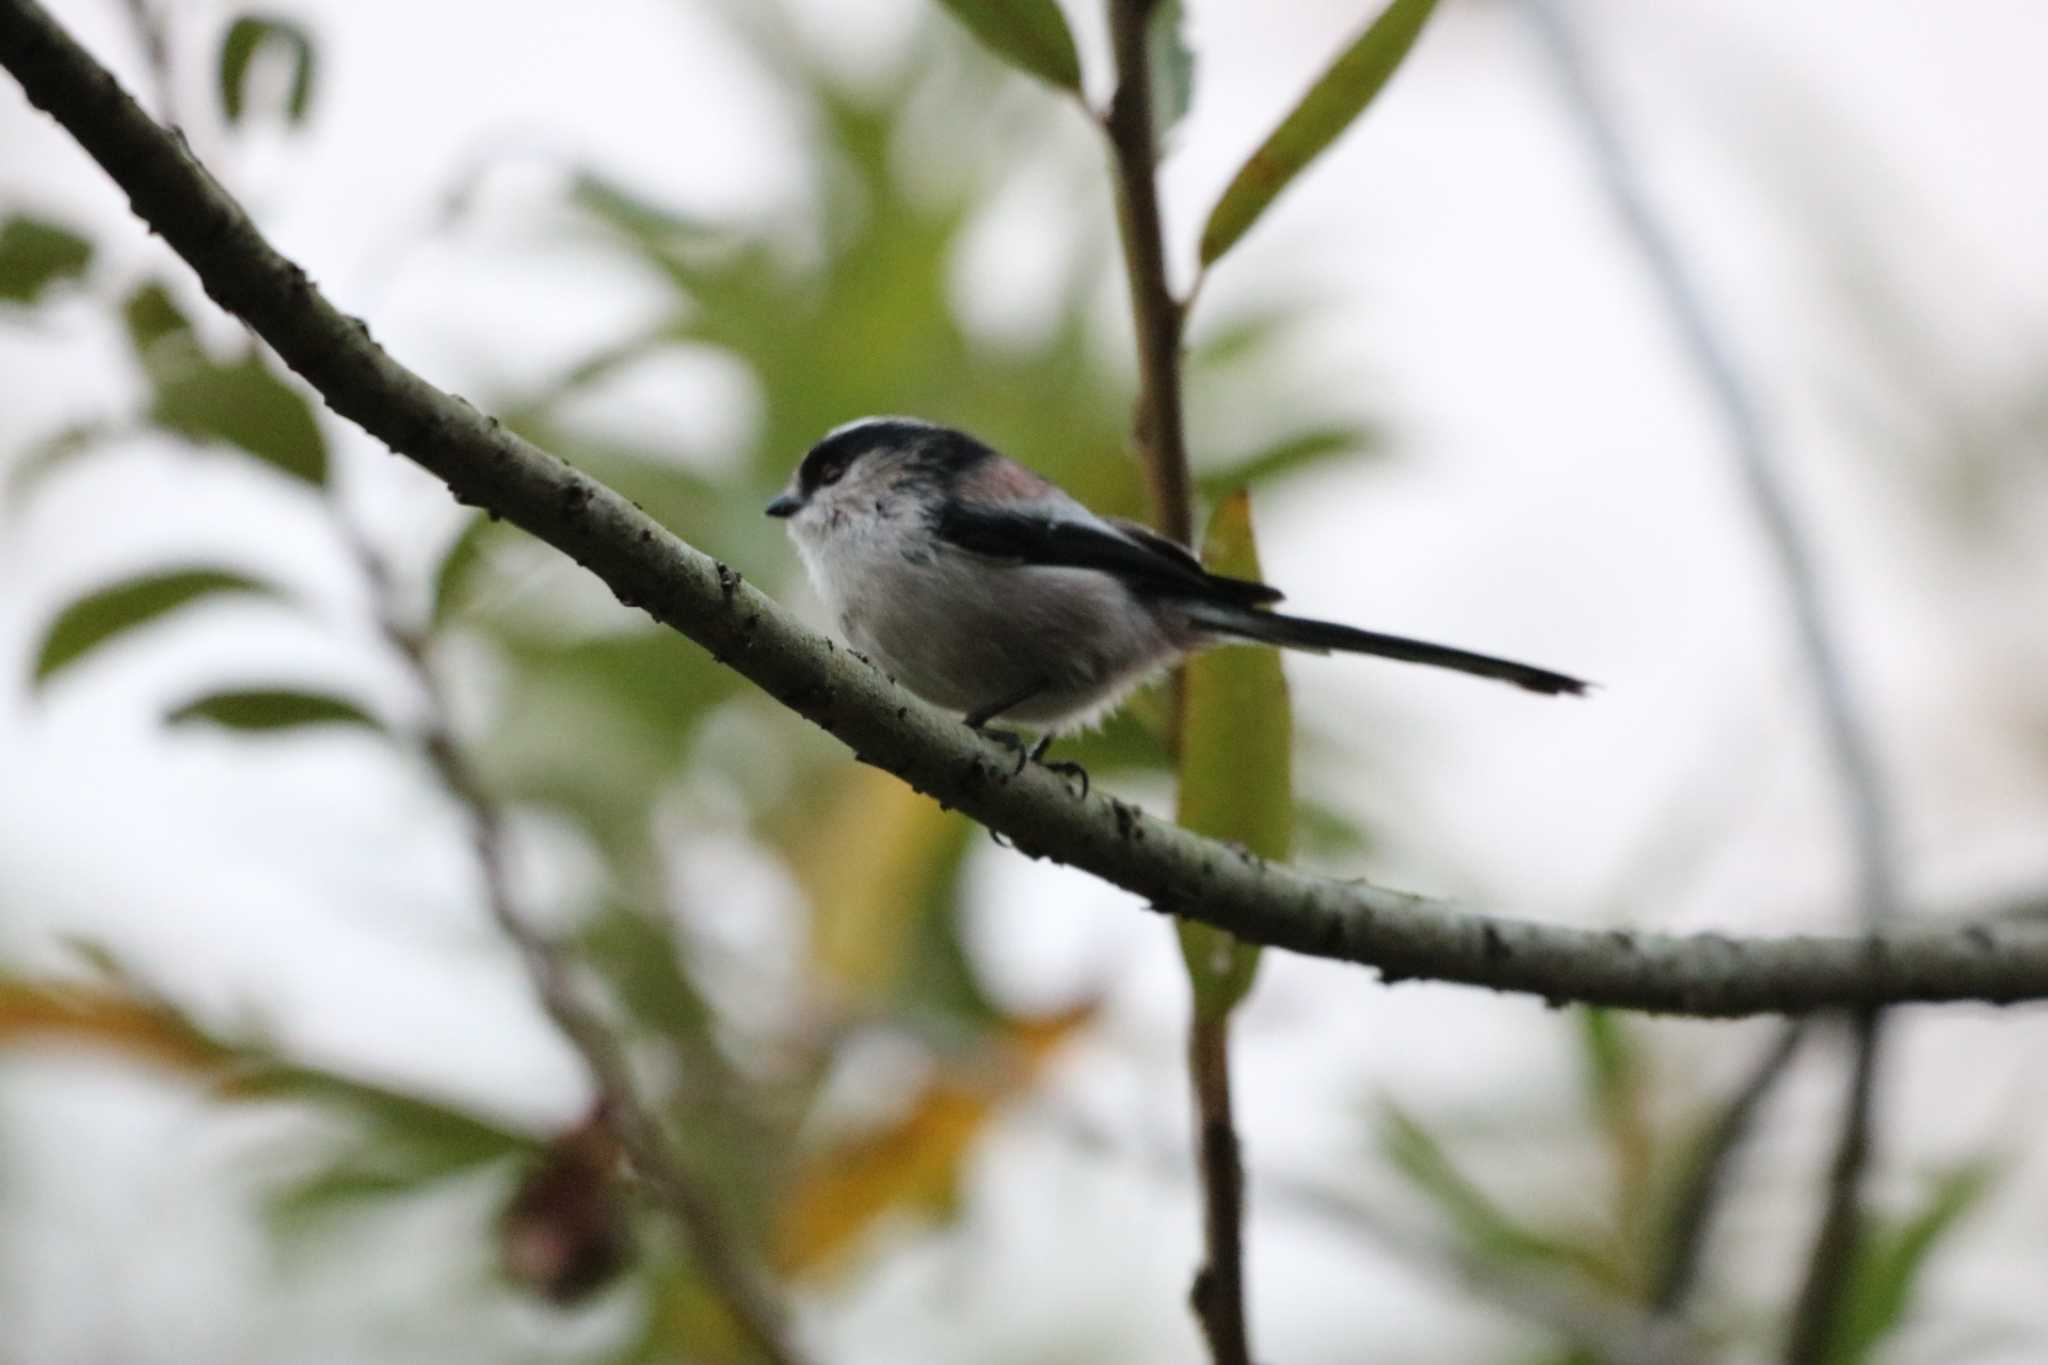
(1564, 496)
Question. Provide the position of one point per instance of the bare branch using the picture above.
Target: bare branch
(1156, 314)
(1403, 936)
(1218, 1295)
(732, 1274)
(1692, 1218)
(1817, 1314)
(1613, 1328)
(1864, 798)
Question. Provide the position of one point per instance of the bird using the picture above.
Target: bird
(991, 592)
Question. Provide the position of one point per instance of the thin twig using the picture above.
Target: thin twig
(1218, 1296)
(739, 1285)
(1692, 1216)
(1401, 936)
(1614, 1329)
(1864, 797)
(1817, 1314)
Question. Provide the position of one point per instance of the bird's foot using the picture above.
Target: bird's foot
(1071, 770)
(1068, 770)
(1008, 739)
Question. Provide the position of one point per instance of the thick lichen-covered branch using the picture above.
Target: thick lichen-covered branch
(1403, 936)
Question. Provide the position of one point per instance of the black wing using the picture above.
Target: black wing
(1139, 556)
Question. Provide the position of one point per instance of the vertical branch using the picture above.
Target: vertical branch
(739, 1285)
(1155, 312)
(1817, 1314)
(1693, 1210)
(1864, 800)
(1218, 1295)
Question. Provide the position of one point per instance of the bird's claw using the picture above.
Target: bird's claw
(1010, 740)
(1067, 770)
(1033, 753)
(1070, 770)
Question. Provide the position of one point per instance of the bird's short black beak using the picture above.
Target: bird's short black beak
(785, 505)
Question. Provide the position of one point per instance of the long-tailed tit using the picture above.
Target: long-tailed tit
(987, 590)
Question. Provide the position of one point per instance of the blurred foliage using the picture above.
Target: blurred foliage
(100, 617)
(243, 402)
(595, 722)
(397, 1142)
(600, 720)
(1651, 1134)
(1173, 72)
(270, 708)
(247, 37)
(914, 1163)
(1030, 34)
(36, 254)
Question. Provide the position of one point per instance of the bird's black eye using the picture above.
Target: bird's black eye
(829, 472)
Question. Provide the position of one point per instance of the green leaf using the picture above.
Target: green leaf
(1236, 763)
(245, 37)
(1030, 35)
(1288, 455)
(1419, 1156)
(1340, 96)
(1173, 71)
(639, 959)
(159, 332)
(245, 405)
(458, 567)
(1613, 1066)
(44, 458)
(35, 254)
(92, 621)
(631, 211)
(266, 709)
(594, 727)
(401, 1144)
(1892, 1257)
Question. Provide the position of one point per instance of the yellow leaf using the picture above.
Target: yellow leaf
(870, 864)
(32, 1013)
(915, 1162)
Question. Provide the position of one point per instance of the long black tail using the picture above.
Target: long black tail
(1296, 632)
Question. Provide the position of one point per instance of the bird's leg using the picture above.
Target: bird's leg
(982, 715)
(977, 720)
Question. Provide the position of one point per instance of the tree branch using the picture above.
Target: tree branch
(734, 1278)
(1155, 312)
(1610, 1327)
(1402, 936)
(1846, 731)
(1218, 1295)
(1824, 1294)
(1692, 1217)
